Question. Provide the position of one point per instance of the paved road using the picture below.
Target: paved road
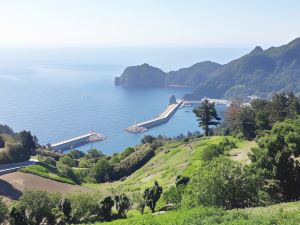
(11, 167)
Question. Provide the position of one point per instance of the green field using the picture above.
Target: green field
(281, 214)
(46, 171)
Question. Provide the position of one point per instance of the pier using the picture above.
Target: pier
(162, 118)
(77, 141)
(211, 100)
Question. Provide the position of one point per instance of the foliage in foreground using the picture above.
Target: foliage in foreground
(283, 214)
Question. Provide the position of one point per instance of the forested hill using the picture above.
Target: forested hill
(261, 72)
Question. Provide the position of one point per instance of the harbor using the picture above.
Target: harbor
(77, 141)
(162, 118)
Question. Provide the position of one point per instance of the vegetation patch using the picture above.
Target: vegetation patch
(46, 171)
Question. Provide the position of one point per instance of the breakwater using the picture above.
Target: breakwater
(77, 141)
(162, 118)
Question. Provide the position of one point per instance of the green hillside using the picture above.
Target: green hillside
(173, 159)
(285, 213)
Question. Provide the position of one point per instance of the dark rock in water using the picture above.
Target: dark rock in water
(172, 100)
(117, 81)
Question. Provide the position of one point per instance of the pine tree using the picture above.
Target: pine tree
(207, 115)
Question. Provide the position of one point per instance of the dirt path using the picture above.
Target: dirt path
(13, 184)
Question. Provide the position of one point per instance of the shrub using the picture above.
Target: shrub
(44, 152)
(38, 205)
(126, 153)
(174, 196)
(76, 154)
(152, 195)
(16, 153)
(83, 206)
(101, 171)
(132, 163)
(67, 171)
(3, 210)
(47, 159)
(225, 183)
(67, 160)
(2, 142)
(123, 204)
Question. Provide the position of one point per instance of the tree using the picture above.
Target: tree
(126, 153)
(94, 154)
(148, 139)
(3, 210)
(207, 115)
(140, 202)
(174, 196)
(276, 153)
(101, 170)
(67, 160)
(123, 204)
(152, 195)
(76, 154)
(262, 120)
(246, 121)
(2, 142)
(182, 180)
(64, 206)
(67, 171)
(104, 208)
(16, 153)
(38, 205)
(27, 142)
(280, 106)
(224, 183)
(17, 216)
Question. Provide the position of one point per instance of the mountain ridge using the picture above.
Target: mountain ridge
(260, 72)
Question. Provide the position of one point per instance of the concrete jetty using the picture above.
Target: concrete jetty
(211, 100)
(162, 118)
(77, 141)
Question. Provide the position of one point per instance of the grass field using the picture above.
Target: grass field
(281, 214)
(173, 159)
(46, 171)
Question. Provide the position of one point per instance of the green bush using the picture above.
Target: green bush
(67, 171)
(225, 183)
(67, 160)
(38, 205)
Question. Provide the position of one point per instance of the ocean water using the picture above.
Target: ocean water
(61, 94)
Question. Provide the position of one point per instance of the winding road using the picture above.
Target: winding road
(12, 167)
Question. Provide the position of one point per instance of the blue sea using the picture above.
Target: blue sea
(61, 93)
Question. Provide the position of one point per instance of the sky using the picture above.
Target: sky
(148, 23)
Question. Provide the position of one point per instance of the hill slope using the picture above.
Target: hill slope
(284, 214)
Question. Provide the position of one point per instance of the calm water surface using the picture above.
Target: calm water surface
(62, 98)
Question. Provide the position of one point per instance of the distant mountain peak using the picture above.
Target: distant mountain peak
(294, 42)
(257, 50)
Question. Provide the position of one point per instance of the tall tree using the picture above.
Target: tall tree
(207, 115)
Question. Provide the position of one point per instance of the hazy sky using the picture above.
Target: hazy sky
(123, 23)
